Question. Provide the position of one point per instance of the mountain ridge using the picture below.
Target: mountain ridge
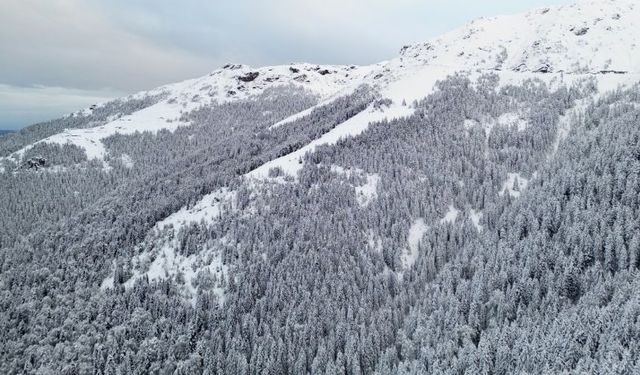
(554, 44)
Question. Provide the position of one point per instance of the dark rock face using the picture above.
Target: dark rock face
(544, 69)
(35, 163)
(232, 66)
(249, 77)
(301, 78)
(580, 31)
(294, 70)
(324, 72)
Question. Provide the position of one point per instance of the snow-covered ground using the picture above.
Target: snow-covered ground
(151, 119)
(416, 232)
(514, 185)
(591, 36)
(369, 191)
(164, 262)
(234, 82)
(476, 217)
(292, 163)
(451, 216)
(207, 210)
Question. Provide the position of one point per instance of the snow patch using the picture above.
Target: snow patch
(514, 185)
(127, 161)
(292, 163)
(207, 210)
(512, 120)
(451, 216)
(416, 232)
(369, 191)
(566, 122)
(374, 241)
(408, 83)
(165, 263)
(476, 217)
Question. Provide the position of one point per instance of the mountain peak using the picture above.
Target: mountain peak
(590, 36)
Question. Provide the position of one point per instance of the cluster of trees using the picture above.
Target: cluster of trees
(96, 116)
(316, 282)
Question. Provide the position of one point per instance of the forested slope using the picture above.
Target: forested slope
(352, 224)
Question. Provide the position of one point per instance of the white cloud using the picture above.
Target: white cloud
(26, 105)
(71, 43)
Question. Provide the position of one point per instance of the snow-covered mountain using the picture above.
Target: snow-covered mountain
(591, 36)
(468, 206)
(557, 44)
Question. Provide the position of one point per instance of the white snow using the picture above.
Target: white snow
(416, 232)
(292, 163)
(369, 191)
(509, 120)
(411, 83)
(451, 216)
(514, 185)
(476, 217)
(127, 161)
(347, 91)
(152, 119)
(565, 123)
(543, 40)
(163, 262)
(223, 85)
(207, 210)
(298, 115)
(365, 194)
(512, 120)
(374, 241)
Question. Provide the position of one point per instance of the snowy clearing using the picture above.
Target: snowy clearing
(451, 216)
(369, 191)
(165, 263)
(416, 232)
(366, 193)
(207, 210)
(514, 185)
(476, 217)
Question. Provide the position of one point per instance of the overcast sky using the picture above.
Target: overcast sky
(57, 56)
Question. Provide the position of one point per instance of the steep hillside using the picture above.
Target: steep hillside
(470, 206)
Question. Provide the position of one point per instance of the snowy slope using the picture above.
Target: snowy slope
(592, 38)
(559, 45)
(231, 83)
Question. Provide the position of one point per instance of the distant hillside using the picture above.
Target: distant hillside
(3, 132)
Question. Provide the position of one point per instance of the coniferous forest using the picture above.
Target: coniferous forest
(447, 242)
